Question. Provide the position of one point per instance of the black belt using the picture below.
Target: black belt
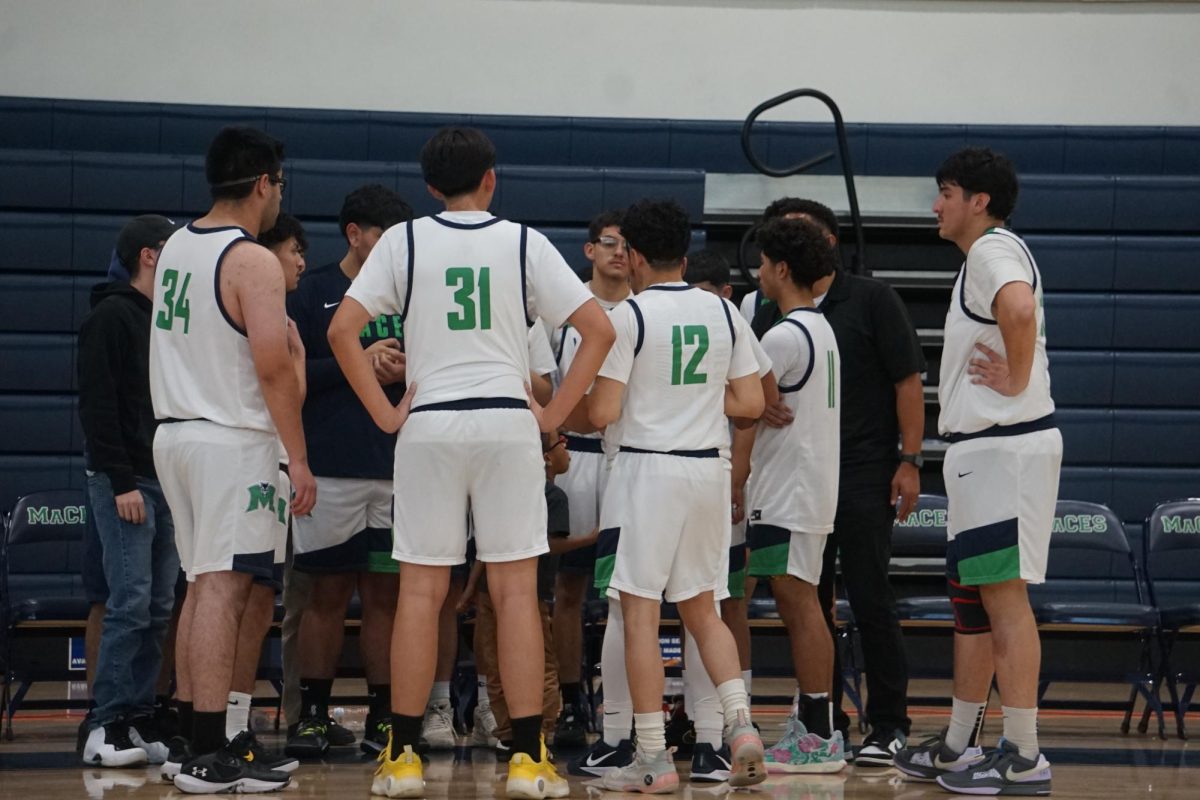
(166, 420)
(474, 404)
(711, 452)
(1032, 426)
(580, 444)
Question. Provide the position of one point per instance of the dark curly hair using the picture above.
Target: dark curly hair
(286, 227)
(979, 169)
(818, 212)
(659, 230)
(802, 245)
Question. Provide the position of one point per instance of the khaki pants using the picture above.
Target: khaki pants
(297, 586)
(487, 662)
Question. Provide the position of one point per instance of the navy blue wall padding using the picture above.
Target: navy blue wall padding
(35, 242)
(1127, 150)
(325, 244)
(37, 304)
(537, 141)
(1181, 151)
(412, 188)
(549, 194)
(35, 179)
(1081, 379)
(1158, 264)
(127, 182)
(1163, 380)
(618, 142)
(318, 188)
(1033, 149)
(1074, 263)
(313, 133)
(93, 238)
(1080, 321)
(39, 424)
(713, 146)
(1087, 436)
(1137, 490)
(107, 127)
(26, 122)
(1149, 204)
(792, 143)
(1157, 322)
(197, 198)
(570, 242)
(20, 475)
(1093, 484)
(1157, 437)
(400, 137)
(908, 150)
(188, 129)
(37, 362)
(624, 186)
(1064, 203)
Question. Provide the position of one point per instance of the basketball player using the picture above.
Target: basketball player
(682, 361)
(792, 496)
(1001, 471)
(467, 286)
(224, 387)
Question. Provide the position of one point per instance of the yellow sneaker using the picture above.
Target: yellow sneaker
(535, 780)
(399, 777)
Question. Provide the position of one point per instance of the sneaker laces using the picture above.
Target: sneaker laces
(311, 727)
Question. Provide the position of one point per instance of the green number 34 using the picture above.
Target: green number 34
(175, 301)
(473, 313)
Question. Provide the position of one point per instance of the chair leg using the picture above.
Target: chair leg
(1133, 693)
(1146, 689)
(15, 703)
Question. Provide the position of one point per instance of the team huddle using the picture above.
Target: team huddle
(452, 393)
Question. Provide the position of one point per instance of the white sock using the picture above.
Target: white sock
(440, 694)
(965, 719)
(1020, 728)
(733, 699)
(795, 712)
(237, 714)
(706, 707)
(748, 679)
(618, 705)
(482, 694)
(651, 732)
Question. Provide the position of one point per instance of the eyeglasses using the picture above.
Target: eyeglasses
(611, 242)
(280, 182)
(562, 439)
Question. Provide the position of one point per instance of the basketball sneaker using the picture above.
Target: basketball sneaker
(401, 776)
(746, 751)
(222, 771)
(709, 764)
(569, 730)
(483, 732)
(880, 747)
(800, 751)
(144, 733)
(375, 735)
(437, 729)
(1004, 771)
(110, 746)
(649, 774)
(179, 750)
(932, 758)
(534, 780)
(310, 739)
(246, 747)
(603, 758)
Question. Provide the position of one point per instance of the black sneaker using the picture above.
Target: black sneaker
(144, 733)
(880, 747)
(339, 735)
(1004, 771)
(602, 759)
(711, 765)
(166, 720)
(223, 771)
(246, 747)
(376, 735)
(681, 734)
(931, 758)
(179, 750)
(569, 732)
(310, 739)
(82, 732)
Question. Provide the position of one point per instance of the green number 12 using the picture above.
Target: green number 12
(688, 335)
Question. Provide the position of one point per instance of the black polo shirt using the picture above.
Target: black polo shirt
(879, 348)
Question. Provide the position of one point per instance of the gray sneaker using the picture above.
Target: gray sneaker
(746, 752)
(1005, 772)
(649, 774)
(931, 757)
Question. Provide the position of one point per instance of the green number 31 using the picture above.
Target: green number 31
(472, 311)
(175, 301)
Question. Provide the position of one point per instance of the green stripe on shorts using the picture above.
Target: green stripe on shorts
(767, 562)
(381, 561)
(604, 571)
(737, 584)
(994, 567)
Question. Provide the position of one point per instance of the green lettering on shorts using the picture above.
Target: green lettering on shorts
(262, 495)
(770, 561)
(994, 567)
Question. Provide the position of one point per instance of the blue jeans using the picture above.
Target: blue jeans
(140, 565)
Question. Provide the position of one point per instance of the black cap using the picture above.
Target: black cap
(144, 231)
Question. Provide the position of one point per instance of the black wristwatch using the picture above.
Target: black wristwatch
(916, 459)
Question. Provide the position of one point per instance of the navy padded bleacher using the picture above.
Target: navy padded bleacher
(533, 141)
(1081, 378)
(110, 127)
(1074, 263)
(1093, 484)
(1064, 203)
(1181, 151)
(1128, 150)
(1157, 264)
(317, 188)
(315, 133)
(910, 150)
(1149, 204)
(1137, 490)
(26, 122)
(189, 129)
(40, 424)
(399, 137)
(1156, 379)
(37, 362)
(1079, 321)
(713, 146)
(1156, 436)
(32, 179)
(622, 187)
(23, 474)
(35, 242)
(619, 142)
(1156, 322)
(1087, 435)
(790, 143)
(111, 182)
(549, 194)
(1035, 149)
(93, 237)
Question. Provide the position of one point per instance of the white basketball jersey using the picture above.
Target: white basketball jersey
(200, 362)
(997, 258)
(468, 286)
(565, 344)
(794, 469)
(676, 349)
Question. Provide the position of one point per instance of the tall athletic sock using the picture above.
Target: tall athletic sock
(570, 695)
(966, 720)
(440, 693)
(705, 706)
(237, 714)
(481, 692)
(379, 699)
(210, 732)
(618, 705)
(1020, 728)
(527, 736)
(187, 719)
(314, 697)
(733, 699)
(795, 712)
(748, 679)
(405, 731)
(816, 712)
(651, 733)
(689, 694)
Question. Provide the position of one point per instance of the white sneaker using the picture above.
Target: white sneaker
(109, 746)
(438, 727)
(143, 734)
(483, 733)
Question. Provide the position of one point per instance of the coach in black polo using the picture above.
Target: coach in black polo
(882, 404)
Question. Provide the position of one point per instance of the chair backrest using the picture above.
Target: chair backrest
(1090, 558)
(45, 533)
(922, 534)
(1172, 552)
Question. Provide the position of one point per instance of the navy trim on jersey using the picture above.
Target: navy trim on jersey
(170, 420)
(812, 360)
(524, 285)
(711, 452)
(191, 226)
(474, 404)
(1017, 429)
(465, 226)
(411, 261)
(562, 344)
(658, 287)
(580, 444)
(962, 300)
(729, 319)
(1024, 248)
(641, 326)
(217, 277)
(962, 289)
